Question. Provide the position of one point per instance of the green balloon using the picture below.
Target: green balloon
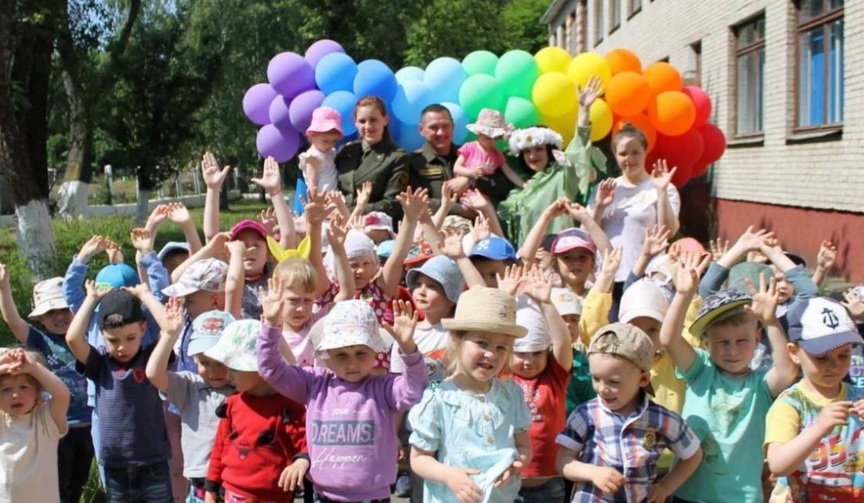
(521, 113)
(478, 92)
(480, 62)
(517, 71)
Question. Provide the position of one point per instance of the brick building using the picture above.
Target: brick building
(786, 78)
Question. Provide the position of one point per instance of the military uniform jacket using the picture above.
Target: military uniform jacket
(430, 171)
(384, 164)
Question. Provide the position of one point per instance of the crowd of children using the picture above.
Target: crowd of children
(297, 355)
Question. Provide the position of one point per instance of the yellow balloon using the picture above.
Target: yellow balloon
(601, 120)
(564, 125)
(554, 94)
(586, 65)
(552, 59)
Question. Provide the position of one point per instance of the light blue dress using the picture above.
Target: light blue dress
(469, 430)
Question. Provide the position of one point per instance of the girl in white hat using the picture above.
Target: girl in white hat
(481, 157)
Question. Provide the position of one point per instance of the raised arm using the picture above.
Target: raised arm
(824, 262)
(271, 182)
(481, 204)
(76, 335)
(157, 365)
(414, 204)
(603, 198)
(235, 281)
(580, 214)
(539, 288)
(19, 327)
(528, 250)
(214, 248)
(179, 214)
(336, 236)
(656, 241)
(667, 214)
(453, 248)
(784, 372)
(60, 396)
(750, 240)
(314, 211)
(213, 179)
(685, 276)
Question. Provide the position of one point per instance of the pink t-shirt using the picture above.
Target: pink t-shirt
(476, 157)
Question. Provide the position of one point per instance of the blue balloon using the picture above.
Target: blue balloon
(409, 137)
(375, 78)
(343, 102)
(409, 73)
(460, 122)
(410, 99)
(444, 76)
(335, 72)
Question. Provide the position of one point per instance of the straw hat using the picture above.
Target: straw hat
(485, 309)
(490, 123)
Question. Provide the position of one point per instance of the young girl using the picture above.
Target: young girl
(318, 164)
(470, 434)
(350, 411)
(259, 453)
(482, 158)
(30, 429)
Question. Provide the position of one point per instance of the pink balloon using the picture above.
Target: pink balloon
(280, 143)
(290, 74)
(256, 103)
(300, 111)
(320, 49)
(702, 102)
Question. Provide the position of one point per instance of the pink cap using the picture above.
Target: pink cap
(687, 244)
(325, 119)
(248, 225)
(570, 239)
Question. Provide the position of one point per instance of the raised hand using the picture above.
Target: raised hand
(336, 232)
(513, 279)
(272, 302)
(606, 192)
(178, 213)
(112, 249)
(4, 277)
(142, 240)
(236, 247)
(611, 261)
(271, 179)
(656, 240)
(854, 304)
(752, 239)
(452, 244)
(686, 269)
(210, 172)
(357, 222)
(661, 175)
(771, 247)
(538, 285)
(93, 246)
(157, 216)
(414, 203)
(718, 248)
(335, 199)
(480, 229)
(267, 217)
(404, 323)
(592, 91)
(175, 316)
(765, 300)
(827, 255)
(576, 211)
(315, 208)
(139, 290)
(364, 193)
(95, 292)
(475, 200)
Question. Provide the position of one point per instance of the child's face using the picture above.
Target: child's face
(364, 268)
(529, 365)
(429, 297)
(256, 253)
(351, 363)
(482, 355)
(572, 322)
(18, 394)
(325, 142)
(487, 142)
(617, 381)
(213, 372)
(202, 301)
(732, 346)
(56, 321)
(651, 327)
(824, 372)
(489, 269)
(784, 288)
(378, 235)
(249, 382)
(123, 343)
(173, 259)
(630, 155)
(297, 307)
(575, 266)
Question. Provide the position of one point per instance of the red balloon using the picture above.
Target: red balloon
(699, 169)
(702, 102)
(714, 143)
(682, 176)
(683, 151)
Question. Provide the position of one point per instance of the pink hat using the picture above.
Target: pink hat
(325, 119)
(491, 123)
(687, 244)
(248, 225)
(570, 239)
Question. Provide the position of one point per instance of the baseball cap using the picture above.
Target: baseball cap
(570, 239)
(443, 270)
(418, 255)
(644, 298)
(48, 296)
(248, 225)
(494, 248)
(207, 328)
(123, 303)
(236, 347)
(350, 323)
(628, 342)
(116, 276)
(171, 246)
(208, 274)
(820, 325)
(566, 302)
(717, 307)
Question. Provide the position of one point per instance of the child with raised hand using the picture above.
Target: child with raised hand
(470, 434)
(725, 401)
(318, 163)
(259, 454)
(30, 428)
(213, 178)
(350, 410)
(481, 157)
(271, 182)
(196, 395)
(611, 445)
(814, 429)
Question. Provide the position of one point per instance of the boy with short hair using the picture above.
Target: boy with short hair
(491, 256)
(611, 444)
(815, 429)
(725, 401)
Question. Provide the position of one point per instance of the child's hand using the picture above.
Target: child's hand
(291, 477)
(718, 248)
(364, 193)
(112, 249)
(175, 316)
(336, 232)
(217, 244)
(686, 270)
(178, 213)
(771, 247)
(659, 493)
(752, 239)
(827, 255)
(271, 179)
(853, 304)
(474, 200)
(10, 361)
(605, 192)
(608, 480)
(765, 300)
(513, 279)
(656, 240)
(272, 302)
(611, 261)
(210, 497)
(315, 207)
(236, 247)
(577, 212)
(858, 408)
(538, 285)
(452, 244)
(336, 200)
(4, 277)
(661, 175)
(142, 240)
(514, 470)
(466, 490)
(94, 292)
(591, 92)
(213, 177)
(139, 290)
(404, 323)
(448, 195)
(414, 203)
(357, 223)
(91, 248)
(267, 217)
(480, 229)
(157, 216)
(834, 414)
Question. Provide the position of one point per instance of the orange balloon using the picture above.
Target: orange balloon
(627, 93)
(662, 77)
(642, 123)
(623, 60)
(672, 113)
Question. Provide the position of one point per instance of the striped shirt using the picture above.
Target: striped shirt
(631, 445)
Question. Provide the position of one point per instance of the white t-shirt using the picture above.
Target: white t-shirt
(328, 177)
(631, 214)
(433, 342)
(28, 448)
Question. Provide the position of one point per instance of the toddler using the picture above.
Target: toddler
(481, 157)
(318, 164)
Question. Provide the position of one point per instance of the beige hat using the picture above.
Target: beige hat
(626, 341)
(485, 309)
(566, 302)
(644, 298)
(48, 296)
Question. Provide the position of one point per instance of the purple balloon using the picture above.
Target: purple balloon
(320, 49)
(279, 112)
(290, 74)
(302, 107)
(256, 103)
(280, 143)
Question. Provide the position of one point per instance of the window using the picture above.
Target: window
(598, 21)
(634, 6)
(615, 14)
(749, 76)
(819, 93)
(693, 75)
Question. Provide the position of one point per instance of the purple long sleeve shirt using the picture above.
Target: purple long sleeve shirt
(349, 426)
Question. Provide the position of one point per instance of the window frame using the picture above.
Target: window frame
(633, 7)
(739, 51)
(824, 21)
(599, 29)
(614, 15)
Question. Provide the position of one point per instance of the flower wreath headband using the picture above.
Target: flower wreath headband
(532, 137)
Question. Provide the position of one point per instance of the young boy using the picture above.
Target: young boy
(815, 429)
(611, 444)
(491, 256)
(725, 401)
(134, 448)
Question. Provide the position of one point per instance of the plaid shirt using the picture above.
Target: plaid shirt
(631, 445)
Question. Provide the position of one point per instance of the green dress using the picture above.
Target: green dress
(524, 206)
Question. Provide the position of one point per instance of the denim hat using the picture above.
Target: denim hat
(116, 276)
(717, 307)
(208, 274)
(820, 325)
(122, 303)
(236, 347)
(740, 273)
(206, 331)
(494, 248)
(442, 270)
